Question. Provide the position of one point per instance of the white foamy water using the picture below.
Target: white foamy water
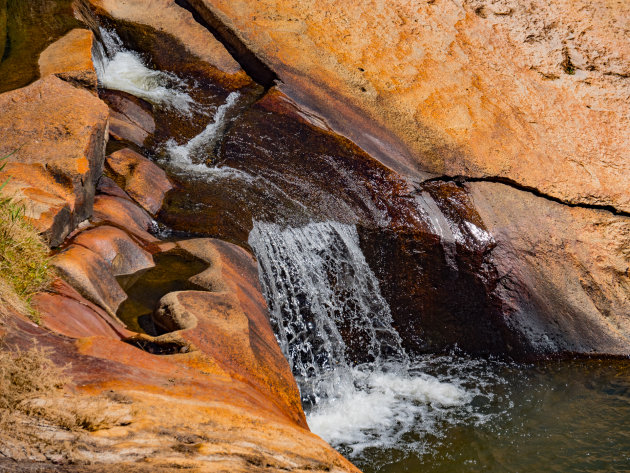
(325, 304)
(184, 156)
(124, 70)
(378, 408)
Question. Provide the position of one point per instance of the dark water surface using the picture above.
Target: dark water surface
(27, 27)
(561, 416)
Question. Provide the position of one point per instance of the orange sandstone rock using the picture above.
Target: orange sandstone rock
(227, 402)
(115, 246)
(56, 133)
(65, 311)
(530, 92)
(91, 276)
(70, 58)
(124, 214)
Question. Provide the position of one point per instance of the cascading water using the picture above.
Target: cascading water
(120, 69)
(358, 385)
(361, 392)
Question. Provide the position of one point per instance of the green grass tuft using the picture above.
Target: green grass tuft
(24, 257)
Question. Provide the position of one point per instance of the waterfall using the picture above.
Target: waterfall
(358, 386)
(120, 69)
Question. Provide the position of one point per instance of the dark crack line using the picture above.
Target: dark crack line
(247, 59)
(532, 190)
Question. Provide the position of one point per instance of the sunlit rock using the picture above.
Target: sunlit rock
(70, 59)
(56, 132)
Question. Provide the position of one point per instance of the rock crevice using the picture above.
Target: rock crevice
(461, 179)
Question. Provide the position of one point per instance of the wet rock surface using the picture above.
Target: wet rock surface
(423, 89)
(131, 118)
(426, 241)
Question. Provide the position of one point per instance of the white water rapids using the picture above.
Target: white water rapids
(120, 69)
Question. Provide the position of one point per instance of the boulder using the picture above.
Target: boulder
(47, 203)
(480, 88)
(91, 276)
(131, 118)
(143, 180)
(173, 20)
(115, 246)
(70, 58)
(107, 186)
(123, 214)
(58, 162)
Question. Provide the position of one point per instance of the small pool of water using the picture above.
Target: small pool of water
(560, 416)
(171, 273)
